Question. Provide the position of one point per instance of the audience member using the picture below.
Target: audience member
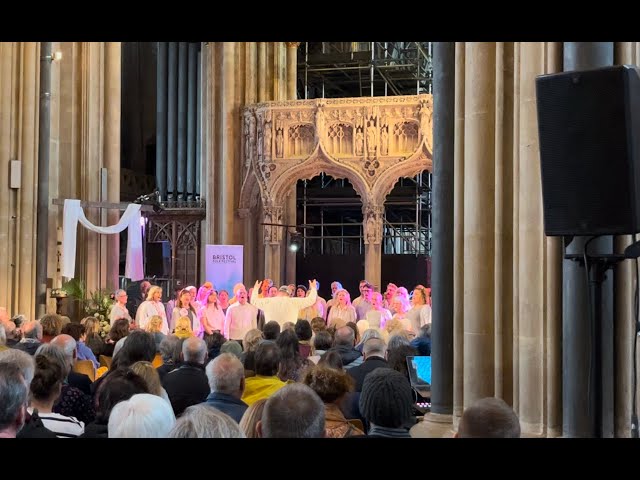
(31, 336)
(271, 330)
(489, 417)
(188, 385)
(332, 386)
(13, 400)
(265, 382)
(149, 374)
(343, 343)
(203, 421)
(142, 416)
(294, 411)
(386, 403)
(226, 380)
(251, 417)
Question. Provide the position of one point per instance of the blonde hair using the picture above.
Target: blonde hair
(251, 340)
(152, 291)
(183, 328)
(150, 375)
(251, 417)
(91, 324)
(155, 324)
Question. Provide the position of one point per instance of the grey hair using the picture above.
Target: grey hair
(294, 411)
(375, 346)
(13, 393)
(55, 353)
(225, 373)
(194, 349)
(3, 336)
(23, 360)
(370, 333)
(168, 346)
(118, 292)
(67, 344)
(204, 421)
(397, 341)
(34, 332)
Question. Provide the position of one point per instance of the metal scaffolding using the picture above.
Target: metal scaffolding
(361, 69)
(332, 207)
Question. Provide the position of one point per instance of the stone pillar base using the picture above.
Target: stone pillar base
(434, 425)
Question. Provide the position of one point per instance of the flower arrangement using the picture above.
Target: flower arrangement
(99, 305)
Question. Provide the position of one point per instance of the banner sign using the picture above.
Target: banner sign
(223, 266)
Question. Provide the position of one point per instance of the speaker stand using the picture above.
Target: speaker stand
(597, 267)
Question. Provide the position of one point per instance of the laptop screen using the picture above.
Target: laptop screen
(419, 370)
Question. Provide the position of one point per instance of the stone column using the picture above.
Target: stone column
(578, 393)
(442, 212)
(479, 221)
(262, 72)
(458, 233)
(625, 284)
(161, 120)
(292, 69)
(291, 218)
(172, 119)
(225, 155)
(532, 245)
(112, 155)
(273, 237)
(25, 150)
(372, 218)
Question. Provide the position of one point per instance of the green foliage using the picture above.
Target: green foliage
(75, 288)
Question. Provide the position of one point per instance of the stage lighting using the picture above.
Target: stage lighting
(295, 241)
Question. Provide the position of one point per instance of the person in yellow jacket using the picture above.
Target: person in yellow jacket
(266, 381)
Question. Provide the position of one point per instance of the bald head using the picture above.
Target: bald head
(345, 336)
(67, 344)
(374, 347)
(489, 418)
(194, 349)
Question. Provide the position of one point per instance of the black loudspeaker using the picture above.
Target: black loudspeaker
(158, 261)
(588, 123)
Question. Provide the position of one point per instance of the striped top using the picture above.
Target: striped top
(61, 425)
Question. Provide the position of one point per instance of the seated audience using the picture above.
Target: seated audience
(150, 375)
(120, 385)
(92, 338)
(51, 326)
(233, 347)
(422, 342)
(294, 411)
(214, 343)
(119, 329)
(386, 403)
(76, 331)
(203, 421)
(72, 402)
(142, 416)
(489, 418)
(168, 350)
(226, 380)
(13, 400)
(322, 341)
(251, 417)
(344, 343)
(332, 386)
(31, 336)
(265, 382)
(331, 359)
(291, 363)
(304, 333)
(154, 327)
(188, 385)
(271, 330)
(45, 389)
(68, 345)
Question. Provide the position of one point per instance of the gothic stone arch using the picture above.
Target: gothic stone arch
(371, 141)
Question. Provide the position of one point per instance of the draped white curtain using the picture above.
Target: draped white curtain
(130, 219)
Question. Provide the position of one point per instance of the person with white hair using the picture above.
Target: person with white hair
(203, 421)
(142, 416)
(31, 337)
(75, 379)
(226, 379)
(119, 309)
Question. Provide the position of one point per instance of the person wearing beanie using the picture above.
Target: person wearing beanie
(386, 403)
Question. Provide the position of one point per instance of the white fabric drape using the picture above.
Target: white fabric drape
(130, 219)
